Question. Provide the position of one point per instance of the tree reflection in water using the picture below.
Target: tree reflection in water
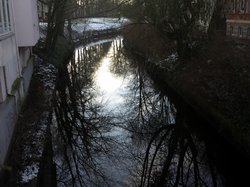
(174, 156)
(158, 143)
(80, 127)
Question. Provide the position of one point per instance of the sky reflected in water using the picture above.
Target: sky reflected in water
(110, 87)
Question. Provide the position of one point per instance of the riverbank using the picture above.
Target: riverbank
(215, 82)
(31, 132)
(30, 161)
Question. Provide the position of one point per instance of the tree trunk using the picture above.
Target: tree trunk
(55, 23)
(218, 20)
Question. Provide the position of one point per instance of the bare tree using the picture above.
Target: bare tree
(181, 20)
(60, 11)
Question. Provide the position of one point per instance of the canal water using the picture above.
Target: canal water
(114, 126)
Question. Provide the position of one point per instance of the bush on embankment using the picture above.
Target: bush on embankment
(58, 56)
(145, 40)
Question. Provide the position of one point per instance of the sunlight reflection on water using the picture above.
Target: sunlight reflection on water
(104, 78)
(110, 86)
(111, 90)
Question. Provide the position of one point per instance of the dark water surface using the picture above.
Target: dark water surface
(113, 126)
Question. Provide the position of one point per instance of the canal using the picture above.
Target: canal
(114, 126)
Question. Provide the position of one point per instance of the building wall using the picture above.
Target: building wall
(26, 59)
(16, 66)
(238, 29)
(26, 22)
(9, 64)
(238, 18)
(9, 75)
(10, 108)
(11, 105)
(8, 118)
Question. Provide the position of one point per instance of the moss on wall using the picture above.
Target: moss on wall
(16, 85)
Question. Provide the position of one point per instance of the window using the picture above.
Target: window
(3, 83)
(1, 92)
(231, 30)
(248, 6)
(5, 25)
(242, 5)
(248, 32)
(231, 6)
(239, 31)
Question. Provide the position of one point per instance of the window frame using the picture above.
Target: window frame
(232, 6)
(248, 6)
(231, 31)
(240, 31)
(248, 32)
(5, 17)
(242, 6)
(3, 84)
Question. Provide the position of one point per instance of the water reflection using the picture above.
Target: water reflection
(78, 137)
(171, 155)
(107, 84)
(115, 127)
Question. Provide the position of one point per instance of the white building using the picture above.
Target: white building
(19, 31)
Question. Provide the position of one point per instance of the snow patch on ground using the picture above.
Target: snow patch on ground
(47, 75)
(30, 173)
(169, 63)
(94, 24)
(36, 135)
(79, 26)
